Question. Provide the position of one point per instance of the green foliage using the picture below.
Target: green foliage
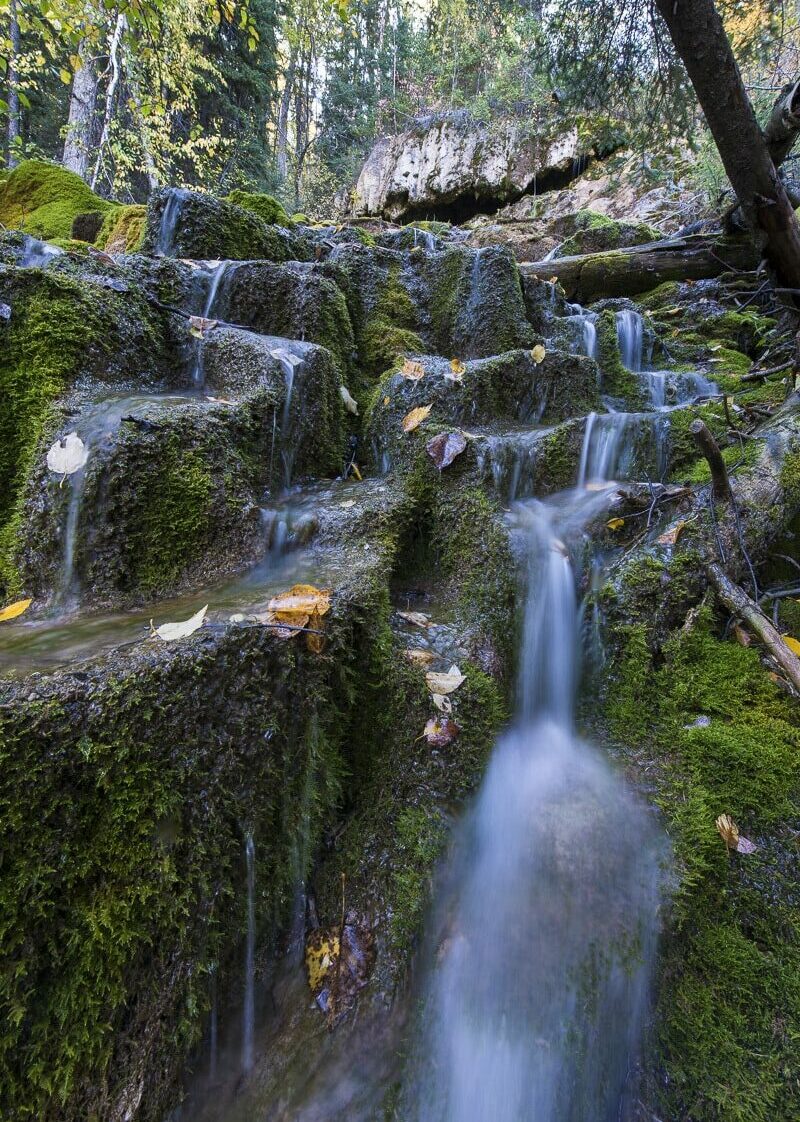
(44, 199)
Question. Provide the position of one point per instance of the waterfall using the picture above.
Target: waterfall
(215, 279)
(249, 1007)
(165, 242)
(69, 589)
(547, 927)
(630, 336)
(37, 254)
(604, 446)
(289, 364)
(586, 329)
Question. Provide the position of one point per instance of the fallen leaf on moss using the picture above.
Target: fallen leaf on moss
(14, 610)
(170, 631)
(315, 641)
(415, 417)
(412, 370)
(456, 371)
(670, 536)
(442, 703)
(418, 657)
(322, 950)
(538, 353)
(350, 403)
(441, 732)
(440, 683)
(419, 619)
(615, 523)
(386, 400)
(303, 598)
(444, 447)
(67, 455)
(792, 643)
(200, 327)
(727, 830)
(742, 637)
(347, 503)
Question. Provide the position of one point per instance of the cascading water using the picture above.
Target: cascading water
(546, 935)
(249, 1005)
(37, 254)
(165, 242)
(289, 364)
(586, 330)
(215, 280)
(630, 336)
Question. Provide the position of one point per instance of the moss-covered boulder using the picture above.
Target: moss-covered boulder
(265, 206)
(196, 225)
(590, 232)
(45, 199)
(122, 229)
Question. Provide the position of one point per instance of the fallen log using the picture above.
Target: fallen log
(640, 268)
(739, 604)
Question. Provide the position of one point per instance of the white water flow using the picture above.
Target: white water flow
(586, 330)
(289, 363)
(169, 219)
(546, 937)
(249, 1005)
(37, 254)
(665, 388)
(215, 280)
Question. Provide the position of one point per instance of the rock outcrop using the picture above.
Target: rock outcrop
(454, 166)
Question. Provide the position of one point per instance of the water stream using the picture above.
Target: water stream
(546, 930)
(37, 254)
(214, 281)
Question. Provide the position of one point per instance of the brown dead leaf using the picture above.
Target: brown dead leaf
(538, 354)
(728, 831)
(415, 417)
(444, 447)
(418, 657)
(670, 536)
(440, 683)
(742, 637)
(200, 327)
(456, 371)
(412, 370)
(441, 731)
(442, 702)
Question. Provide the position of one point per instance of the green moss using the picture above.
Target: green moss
(44, 199)
(123, 229)
(265, 206)
(421, 834)
(390, 329)
(790, 479)
(729, 1005)
(593, 233)
(174, 520)
(736, 455)
(42, 349)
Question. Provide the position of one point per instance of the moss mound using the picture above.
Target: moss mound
(123, 229)
(44, 200)
(265, 206)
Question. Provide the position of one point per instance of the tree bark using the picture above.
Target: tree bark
(283, 116)
(720, 484)
(640, 268)
(113, 54)
(739, 603)
(13, 132)
(700, 40)
(783, 126)
(82, 105)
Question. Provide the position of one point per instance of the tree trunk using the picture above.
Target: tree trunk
(640, 268)
(13, 86)
(783, 126)
(283, 116)
(700, 40)
(82, 104)
(113, 54)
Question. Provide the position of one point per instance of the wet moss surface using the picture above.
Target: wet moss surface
(717, 736)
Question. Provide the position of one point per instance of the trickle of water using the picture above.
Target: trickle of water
(169, 219)
(249, 1005)
(585, 322)
(630, 335)
(37, 254)
(215, 281)
(289, 364)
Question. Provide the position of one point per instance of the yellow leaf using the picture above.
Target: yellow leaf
(727, 830)
(315, 642)
(412, 370)
(14, 610)
(65, 76)
(386, 401)
(322, 951)
(792, 643)
(415, 418)
(418, 657)
(456, 371)
(538, 353)
(303, 599)
(615, 523)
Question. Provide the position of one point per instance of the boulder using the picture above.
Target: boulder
(452, 167)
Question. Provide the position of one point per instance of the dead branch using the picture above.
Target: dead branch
(720, 484)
